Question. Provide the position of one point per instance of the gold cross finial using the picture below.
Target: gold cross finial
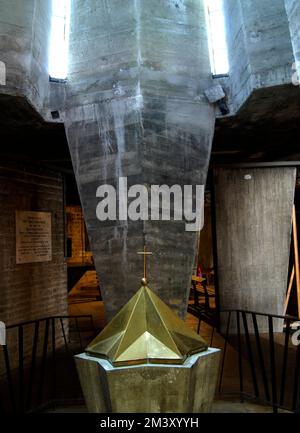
(145, 253)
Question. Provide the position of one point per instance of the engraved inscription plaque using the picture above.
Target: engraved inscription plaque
(33, 237)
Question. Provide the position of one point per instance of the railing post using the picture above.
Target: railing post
(225, 350)
(33, 364)
(9, 380)
(250, 355)
(273, 364)
(296, 379)
(284, 361)
(21, 369)
(240, 361)
(64, 334)
(44, 361)
(261, 357)
(78, 332)
(53, 359)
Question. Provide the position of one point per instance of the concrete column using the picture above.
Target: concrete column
(293, 13)
(253, 223)
(136, 109)
(205, 257)
(259, 47)
(25, 28)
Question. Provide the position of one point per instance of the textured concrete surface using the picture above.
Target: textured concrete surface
(253, 223)
(136, 108)
(266, 128)
(228, 405)
(24, 48)
(259, 47)
(150, 388)
(293, 13)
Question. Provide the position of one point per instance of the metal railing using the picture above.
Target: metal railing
(23, 387)
(274, 363)
(268, 365)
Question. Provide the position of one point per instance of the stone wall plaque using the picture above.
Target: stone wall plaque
(33, 237)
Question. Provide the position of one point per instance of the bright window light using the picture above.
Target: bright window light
(59, 46)
(217, 37)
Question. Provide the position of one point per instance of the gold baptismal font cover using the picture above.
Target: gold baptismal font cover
(146, 330)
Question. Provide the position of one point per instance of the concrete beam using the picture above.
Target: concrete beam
(293, 13)
(24, 49)
(259, 47)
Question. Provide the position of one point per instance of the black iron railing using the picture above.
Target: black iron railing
(271, 358)
(23, 386)
(267, 365)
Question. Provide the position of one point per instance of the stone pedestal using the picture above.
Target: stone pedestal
(149, 388)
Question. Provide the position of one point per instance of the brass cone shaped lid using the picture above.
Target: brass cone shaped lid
(146, 330)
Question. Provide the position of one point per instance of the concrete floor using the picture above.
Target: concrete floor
(219, 406)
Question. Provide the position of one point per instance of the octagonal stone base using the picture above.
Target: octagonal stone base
(149, 388)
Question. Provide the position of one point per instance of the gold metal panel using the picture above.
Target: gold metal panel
(146, 330)
(147, 347)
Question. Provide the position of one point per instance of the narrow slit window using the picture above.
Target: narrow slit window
(59, 45)
(217, 37)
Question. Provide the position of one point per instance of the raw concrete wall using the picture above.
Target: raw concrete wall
(238, 86)
(259, 47)
(205, 257)
(136, 108)
(293, 13)
(253, 223)
(24, 48)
